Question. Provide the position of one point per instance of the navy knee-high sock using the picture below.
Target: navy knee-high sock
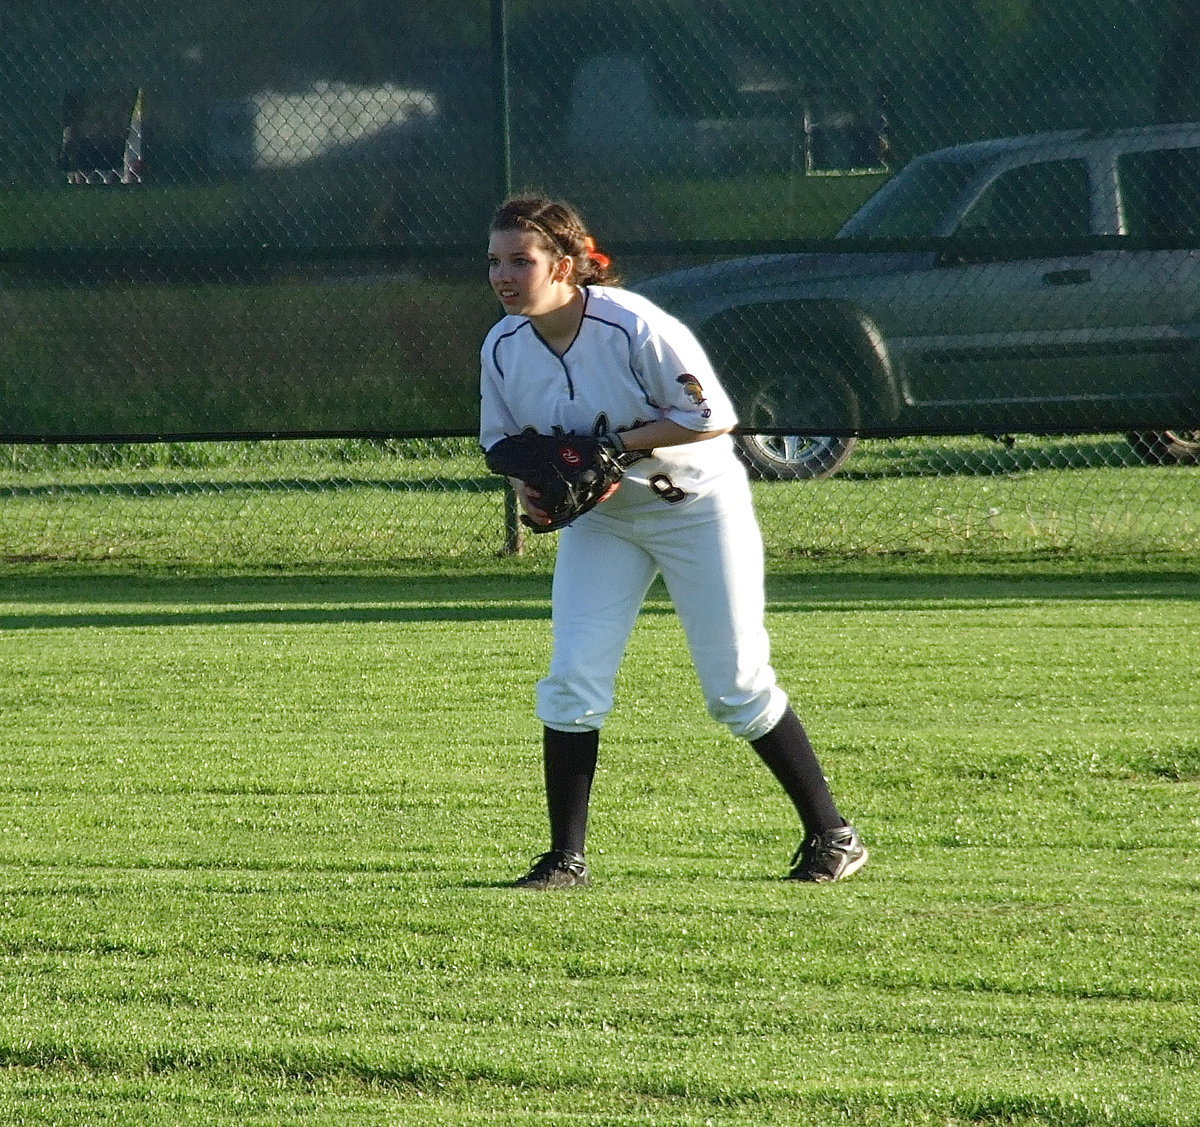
(569, 760)
(789, 754)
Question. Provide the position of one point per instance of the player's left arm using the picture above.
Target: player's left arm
(665, 432)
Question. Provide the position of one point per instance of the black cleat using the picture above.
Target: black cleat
(560, 868)
(834, 855)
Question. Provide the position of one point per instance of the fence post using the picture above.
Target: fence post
(514, 532)
(503, 115)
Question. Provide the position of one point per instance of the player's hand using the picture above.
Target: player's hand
(527, 498)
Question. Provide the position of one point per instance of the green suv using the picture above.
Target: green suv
(1040, 284)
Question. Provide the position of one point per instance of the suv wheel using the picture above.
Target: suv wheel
(793, 457)
(797, 457)
(1166, 447)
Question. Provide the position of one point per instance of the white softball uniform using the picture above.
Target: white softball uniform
(685, 512)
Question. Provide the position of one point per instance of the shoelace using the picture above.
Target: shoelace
(818, 847)
(546, 863)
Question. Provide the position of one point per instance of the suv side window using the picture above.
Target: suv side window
(1047, 200)
(1160, 194)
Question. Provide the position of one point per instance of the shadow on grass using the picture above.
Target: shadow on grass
(77, 599)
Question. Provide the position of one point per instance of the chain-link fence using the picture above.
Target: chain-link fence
(897, 228)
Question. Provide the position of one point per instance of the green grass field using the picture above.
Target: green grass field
(255, 831)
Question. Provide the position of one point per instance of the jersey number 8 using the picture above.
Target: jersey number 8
(667, 489)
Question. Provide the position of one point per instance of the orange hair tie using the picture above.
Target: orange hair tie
(600, 259)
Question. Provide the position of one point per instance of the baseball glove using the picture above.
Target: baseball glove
(573, 473)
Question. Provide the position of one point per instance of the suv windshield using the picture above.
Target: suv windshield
(911, 205)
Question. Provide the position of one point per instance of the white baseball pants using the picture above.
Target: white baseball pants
(709, 552)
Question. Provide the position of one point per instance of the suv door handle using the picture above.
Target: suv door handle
(1067, 277)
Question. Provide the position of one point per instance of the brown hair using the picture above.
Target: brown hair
(562, 231)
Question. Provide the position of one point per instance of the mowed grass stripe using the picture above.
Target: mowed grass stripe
(254, 834)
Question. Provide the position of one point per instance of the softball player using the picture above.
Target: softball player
(576, 354)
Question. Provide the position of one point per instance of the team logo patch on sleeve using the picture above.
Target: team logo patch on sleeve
(692, 387)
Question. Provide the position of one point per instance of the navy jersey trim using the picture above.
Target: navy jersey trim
(538, 337)
(501, 339)
(637, 379)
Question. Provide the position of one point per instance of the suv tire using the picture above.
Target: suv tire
(793, 457)
(776, 456)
